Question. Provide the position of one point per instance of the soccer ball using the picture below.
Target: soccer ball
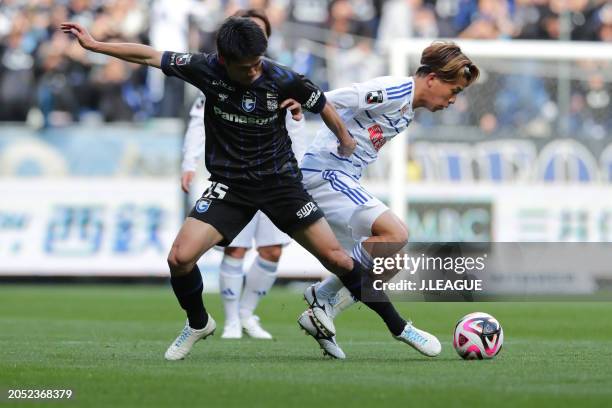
(478, 336)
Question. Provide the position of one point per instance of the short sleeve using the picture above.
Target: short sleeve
(344, 98)
(186, 66)
(383, 91)
(378, 92)
(306, 93)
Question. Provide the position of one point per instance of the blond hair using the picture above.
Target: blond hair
(445, 59)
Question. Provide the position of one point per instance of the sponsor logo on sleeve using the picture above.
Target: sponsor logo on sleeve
(374, 97)
(312, 101)
(183, 59)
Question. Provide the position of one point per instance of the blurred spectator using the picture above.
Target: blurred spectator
(365, 13)
(603, 19)
(109, 84)
(309, 13)
(16, 72)
(331, 41)
(349, 46)
(306, 29)
(57, 97)
(527, 17)
(590, 107)
(523, 101)
(484, 19)
(404, 19)
(168, 32)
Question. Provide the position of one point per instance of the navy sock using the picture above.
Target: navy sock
(188, 290)
(360, 283)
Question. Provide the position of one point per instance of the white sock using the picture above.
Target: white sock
(231, 279)
(332, 289)
(362, 256)
(329, 287)
(259, 280)
(342, 300)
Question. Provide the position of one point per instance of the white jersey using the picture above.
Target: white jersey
(193, 145)
(373, 112)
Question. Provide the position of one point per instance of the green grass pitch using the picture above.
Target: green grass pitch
(106, 343)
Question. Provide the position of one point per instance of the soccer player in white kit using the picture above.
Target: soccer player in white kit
(240, 291)
(374, 112)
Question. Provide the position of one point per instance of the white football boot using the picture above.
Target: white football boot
(327, 343)
(252, 327)
(232, 330)
(321, 311)
(420, 340)
(188, 337)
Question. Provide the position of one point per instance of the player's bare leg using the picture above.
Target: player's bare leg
(319, 239)
(193, 240)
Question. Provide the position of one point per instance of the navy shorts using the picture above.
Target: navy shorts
(230, 208)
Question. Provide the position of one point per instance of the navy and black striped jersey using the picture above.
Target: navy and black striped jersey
(246, 137)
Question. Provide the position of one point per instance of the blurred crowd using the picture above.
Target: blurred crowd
(46, 78)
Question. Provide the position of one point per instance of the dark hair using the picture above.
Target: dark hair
(445, 59)
(256, 13)
(240, 38)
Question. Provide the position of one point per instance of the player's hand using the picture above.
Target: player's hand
(294, 107)
(347, 147)
(81, 34)
(186, 179)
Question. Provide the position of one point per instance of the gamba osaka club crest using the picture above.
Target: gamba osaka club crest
(202, 205)
(248, 102)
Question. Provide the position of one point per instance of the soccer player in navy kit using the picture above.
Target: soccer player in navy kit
(249, 157)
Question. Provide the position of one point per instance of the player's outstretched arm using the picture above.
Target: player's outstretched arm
(333, 121)
(138, 53)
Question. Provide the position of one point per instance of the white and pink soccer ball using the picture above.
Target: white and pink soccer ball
(478, 336)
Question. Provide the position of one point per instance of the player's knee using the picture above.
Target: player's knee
(270, 253)
(399, 234)
(178, 261)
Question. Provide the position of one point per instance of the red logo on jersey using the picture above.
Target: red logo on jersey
(376, 137)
